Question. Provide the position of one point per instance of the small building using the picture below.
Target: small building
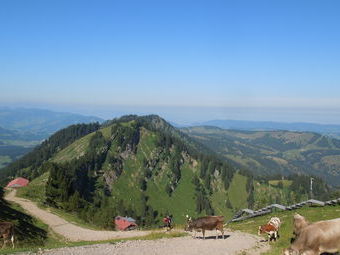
(18, 183)
(125, 223)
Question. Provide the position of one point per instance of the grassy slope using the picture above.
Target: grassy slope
(30, 232)
(311, 213)
(35, 190)
(127, 187)
(268, 194)
(237, 192)
(285, 183)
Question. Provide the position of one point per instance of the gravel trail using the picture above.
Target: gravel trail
(234, 242)
(66, 229)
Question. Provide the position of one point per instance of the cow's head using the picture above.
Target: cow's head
(260, 230)
(299, 223)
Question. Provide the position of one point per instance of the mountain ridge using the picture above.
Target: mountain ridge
(328, 129)
(274, 152)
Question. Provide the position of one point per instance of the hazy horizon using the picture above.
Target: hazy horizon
(192, 115)
(184, 60)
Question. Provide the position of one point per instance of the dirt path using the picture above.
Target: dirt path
(234, 243)
(66, 229)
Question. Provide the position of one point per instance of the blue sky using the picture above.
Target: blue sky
(91, 56)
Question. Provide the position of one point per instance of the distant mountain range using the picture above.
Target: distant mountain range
(39, 121)
(328, 129)
(21, 129)
(274, 152)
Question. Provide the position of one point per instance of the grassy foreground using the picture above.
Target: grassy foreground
(312, 214)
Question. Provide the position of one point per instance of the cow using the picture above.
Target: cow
(206, 223)
(271, 228)
(317, 238)
(7, 232)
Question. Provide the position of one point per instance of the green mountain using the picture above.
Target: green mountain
(145, 168)
(137, 166)
(274, 152)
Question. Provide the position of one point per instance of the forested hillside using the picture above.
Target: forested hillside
(29, 165)
(274, 152)
(136, 166)
(145, 168)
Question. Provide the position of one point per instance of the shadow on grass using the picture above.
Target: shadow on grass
(26, 232)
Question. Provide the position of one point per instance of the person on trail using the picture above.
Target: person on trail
(168, 222)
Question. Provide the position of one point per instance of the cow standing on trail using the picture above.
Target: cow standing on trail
(206, 223)
(7, 232)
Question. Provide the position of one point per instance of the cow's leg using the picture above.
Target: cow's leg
(270, 237)
(12, 239)
(216, 234)
(310, 252)
(5, 241)
(203, 232)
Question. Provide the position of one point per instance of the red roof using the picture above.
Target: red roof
(122, 223)
(18, 182)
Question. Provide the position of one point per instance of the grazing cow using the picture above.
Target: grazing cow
(206, 223)
(317, 238)
(7, 232)
(271, 228)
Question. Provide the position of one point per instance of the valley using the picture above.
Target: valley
(22, 129)
(274, 152)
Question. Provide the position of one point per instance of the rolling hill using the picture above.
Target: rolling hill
(274, 152)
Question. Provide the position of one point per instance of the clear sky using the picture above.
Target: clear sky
(165, 53)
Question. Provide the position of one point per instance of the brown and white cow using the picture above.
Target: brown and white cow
(7, 232)
(271, 228)
(206, 223)
(317, 238)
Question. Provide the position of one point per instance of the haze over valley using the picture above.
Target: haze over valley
(128, 126)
